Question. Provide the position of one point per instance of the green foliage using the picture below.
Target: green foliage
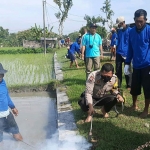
(73, 36)
(92, 20)
(16, 39)
(25, 50)
(108, 12)
(4, 35)
(100, 30)
(82, 29)
(64, 7)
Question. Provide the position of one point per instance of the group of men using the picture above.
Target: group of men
(132, 46)
(129, 45)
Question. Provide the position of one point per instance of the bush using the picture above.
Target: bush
(25, 50)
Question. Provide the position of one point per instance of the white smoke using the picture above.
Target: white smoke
(70, 142)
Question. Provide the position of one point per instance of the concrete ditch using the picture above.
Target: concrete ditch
(67, 129)
(66, 122)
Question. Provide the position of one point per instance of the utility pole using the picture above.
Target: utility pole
(44, 2)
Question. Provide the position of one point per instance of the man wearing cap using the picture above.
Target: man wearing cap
(121, 52)
(7, 121)
(92, 45)
(113, 44)
(139, 54)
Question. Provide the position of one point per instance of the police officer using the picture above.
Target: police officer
(100, 84)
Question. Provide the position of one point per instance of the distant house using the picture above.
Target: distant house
(50, 42)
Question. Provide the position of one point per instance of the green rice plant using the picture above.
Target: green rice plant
(27, 69)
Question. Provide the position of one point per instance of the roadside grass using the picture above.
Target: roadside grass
(10, 48)
(125, 132)
(28, 70)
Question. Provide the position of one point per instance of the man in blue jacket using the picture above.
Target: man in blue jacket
(75, 47)
(121, 52)
(139, 54)
(7, 121)
(113, 44)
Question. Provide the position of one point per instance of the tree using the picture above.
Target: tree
(92, 20)
(12, 40)
(73, 36)
(64, 7)
(4, 34)
(36, 32)
(108, 12)
(100, 30)
(82, 29)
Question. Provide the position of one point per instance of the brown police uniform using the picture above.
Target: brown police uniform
(96, 89)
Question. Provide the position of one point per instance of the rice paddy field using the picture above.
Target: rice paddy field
(27, 69)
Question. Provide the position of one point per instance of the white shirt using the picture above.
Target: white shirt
(4, 113)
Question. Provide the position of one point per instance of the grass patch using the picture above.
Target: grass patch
(126, 132)
(10, 48)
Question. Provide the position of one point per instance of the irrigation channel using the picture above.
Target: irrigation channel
(43, 123)
(37, 121)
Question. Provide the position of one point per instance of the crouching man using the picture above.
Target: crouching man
(7, 121)
(101, 87)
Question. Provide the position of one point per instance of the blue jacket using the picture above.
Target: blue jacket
(123, 41)
(114, 39)
(5, 100)
(139, 47)
(75, 47)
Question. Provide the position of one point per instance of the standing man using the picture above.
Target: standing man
(121, 52)
(113, 44)
(92, 44)
(7, 121)
(139, 54)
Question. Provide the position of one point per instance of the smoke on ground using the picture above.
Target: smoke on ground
(68, 142)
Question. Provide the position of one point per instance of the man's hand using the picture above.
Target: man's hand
(91, 109)
(15, 111)
(102, 57)
(126, 70)
(120, 98)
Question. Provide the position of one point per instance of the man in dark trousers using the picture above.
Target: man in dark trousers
(100, 86)
(121, 52)
(139, 54)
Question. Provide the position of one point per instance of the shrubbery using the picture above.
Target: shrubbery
(25, 50)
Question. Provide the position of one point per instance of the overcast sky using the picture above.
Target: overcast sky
(18, 15)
